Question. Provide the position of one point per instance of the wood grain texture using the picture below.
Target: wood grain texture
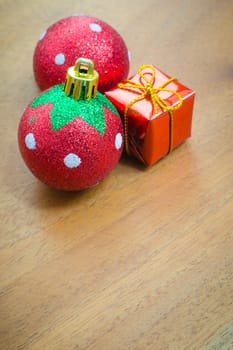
(145, 259)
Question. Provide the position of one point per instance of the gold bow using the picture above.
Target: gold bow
(149, 92)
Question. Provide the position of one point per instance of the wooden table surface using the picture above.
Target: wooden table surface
(144, 260)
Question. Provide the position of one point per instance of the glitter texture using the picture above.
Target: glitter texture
(66, 108)
(81, 36)
(75, 155)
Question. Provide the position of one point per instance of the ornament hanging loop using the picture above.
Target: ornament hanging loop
(81, 80)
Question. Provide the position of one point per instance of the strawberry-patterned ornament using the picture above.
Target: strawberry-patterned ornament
(71, 136)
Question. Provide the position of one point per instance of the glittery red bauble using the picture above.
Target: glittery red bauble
(69, 144)
(80, 36)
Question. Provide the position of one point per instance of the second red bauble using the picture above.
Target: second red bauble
(80, 36)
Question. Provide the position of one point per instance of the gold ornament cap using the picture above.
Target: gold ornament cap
(81, 80)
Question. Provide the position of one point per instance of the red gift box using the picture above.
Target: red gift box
(156, 111)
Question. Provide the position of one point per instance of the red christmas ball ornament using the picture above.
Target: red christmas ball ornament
(80, 36)
(71, 136)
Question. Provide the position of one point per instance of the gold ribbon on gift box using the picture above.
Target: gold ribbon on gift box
(149, 92)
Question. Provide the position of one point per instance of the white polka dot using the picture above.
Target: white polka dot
(60, 58)
(30, 141)
(118, 141)
(129, 56)
(72, 160)
(95, 27)
(42, 35)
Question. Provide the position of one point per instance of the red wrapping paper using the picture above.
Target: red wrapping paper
(153, 134)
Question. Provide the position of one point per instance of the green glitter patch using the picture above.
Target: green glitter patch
(65, 108)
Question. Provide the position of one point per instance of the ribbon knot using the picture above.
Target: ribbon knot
(146, 90)
(149, 91)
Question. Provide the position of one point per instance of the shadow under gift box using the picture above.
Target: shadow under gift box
(153, 134)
